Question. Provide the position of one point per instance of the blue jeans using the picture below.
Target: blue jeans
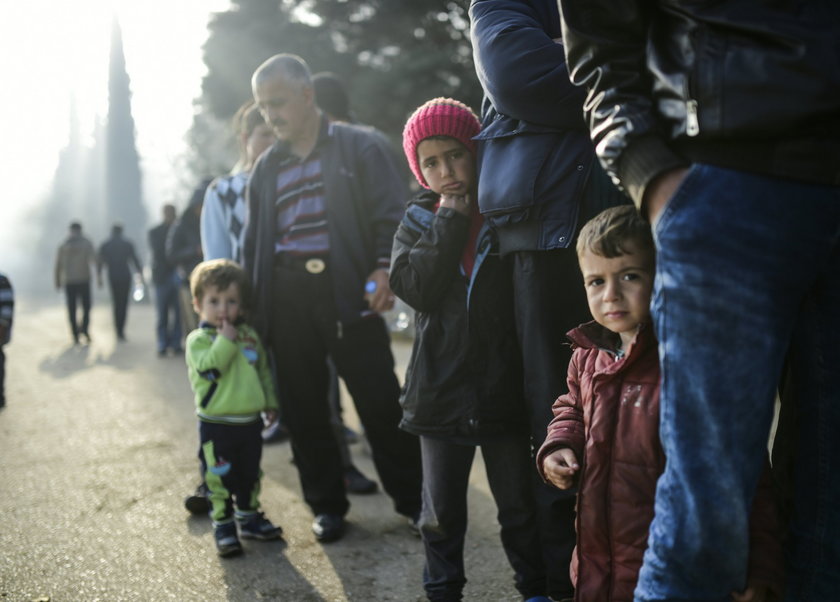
(166, 302)
(443, 520)
(747, 267)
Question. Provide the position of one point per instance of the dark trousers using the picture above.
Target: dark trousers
(120, 287)
(304, 330)
(443, 521)
(549, 301)
(168, 309)
(230, 460)
(74, 293)
(2, 377)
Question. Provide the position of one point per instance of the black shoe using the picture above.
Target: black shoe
(328, 527)
(198, 503)
(356, 482)
(86, 336)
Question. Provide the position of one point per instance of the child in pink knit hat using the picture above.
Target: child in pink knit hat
(463, 384)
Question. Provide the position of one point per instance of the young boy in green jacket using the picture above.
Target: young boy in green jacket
(229, 375)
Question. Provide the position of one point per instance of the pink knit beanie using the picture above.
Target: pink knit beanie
(438, 117)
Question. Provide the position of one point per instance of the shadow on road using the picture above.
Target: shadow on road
(71, 360)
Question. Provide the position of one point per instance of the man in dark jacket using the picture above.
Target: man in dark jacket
(7, 306)
(323, 205)
(722, 121)
(538, 181)
(117, 255)
(183, 250)
(166, 281)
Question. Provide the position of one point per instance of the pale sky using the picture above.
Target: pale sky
(52, 49)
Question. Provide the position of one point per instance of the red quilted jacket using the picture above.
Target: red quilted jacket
(610, 418)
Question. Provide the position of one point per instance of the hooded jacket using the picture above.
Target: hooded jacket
(464, 376)
(610, 419)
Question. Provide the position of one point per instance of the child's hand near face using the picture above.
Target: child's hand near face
(561, 467)
(458, 202)
(228, 330)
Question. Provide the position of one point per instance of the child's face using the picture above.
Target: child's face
(217, 306)
(618, 290)
(449, 168)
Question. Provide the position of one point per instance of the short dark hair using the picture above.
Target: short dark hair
(220, 273)
(331, 96)
(608, 233)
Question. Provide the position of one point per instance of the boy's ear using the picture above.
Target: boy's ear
(196, 305)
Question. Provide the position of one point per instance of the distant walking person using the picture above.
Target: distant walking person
(117, 255)
(7, 305)
(183, 248)
(73, 263)
(167, 282)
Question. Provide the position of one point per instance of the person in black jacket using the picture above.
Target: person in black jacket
(463, 382)
(722, 121)
(538, 182)
(323, 204)
(183, 250)
(117, 255)
(167, 282)
(7, 306)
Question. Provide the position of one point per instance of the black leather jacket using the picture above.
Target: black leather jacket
(746, 84)
(464, 379)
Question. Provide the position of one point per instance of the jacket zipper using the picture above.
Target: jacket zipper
(692, 122)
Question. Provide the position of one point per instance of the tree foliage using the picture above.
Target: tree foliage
(123, 184)
(393, 56)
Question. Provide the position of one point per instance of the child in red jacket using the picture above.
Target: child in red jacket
(604, 436)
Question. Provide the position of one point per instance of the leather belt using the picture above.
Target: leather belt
(311, 265)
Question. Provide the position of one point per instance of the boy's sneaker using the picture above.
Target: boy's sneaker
(227, 543)
(198, 503)
(257, 526)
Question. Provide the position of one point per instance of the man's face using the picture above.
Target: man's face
(284, 105)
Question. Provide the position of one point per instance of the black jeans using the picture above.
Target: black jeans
(443, 522)
(549, 300)
(73, 294)
(120, 287)
(2, 377)
(304, 331)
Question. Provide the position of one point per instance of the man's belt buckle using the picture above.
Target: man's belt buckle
(315, 265)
